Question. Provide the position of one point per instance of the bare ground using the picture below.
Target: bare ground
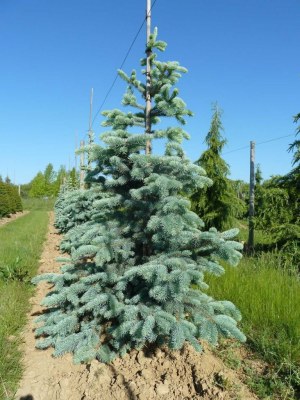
(140, 375)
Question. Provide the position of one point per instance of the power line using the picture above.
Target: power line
(122, 64)
(257, 144)
(272, 140)
(240, 148)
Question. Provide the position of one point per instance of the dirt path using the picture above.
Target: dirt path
(138, 376)
(13, 217)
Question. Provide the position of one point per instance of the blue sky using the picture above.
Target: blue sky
(242, 53)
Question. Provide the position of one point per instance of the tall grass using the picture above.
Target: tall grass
(38, 204)
(21, 244)
(269, 298)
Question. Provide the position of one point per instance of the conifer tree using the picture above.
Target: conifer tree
(18, 201)
(61, 215)
(292, 179)
(74, 178)
(60, 179)
(283, 192)
(258, 176)
(295, 146)
(137, 275)
(49, 180)
(4, 200)
(218, 204)
(73, 207)
(12, 198)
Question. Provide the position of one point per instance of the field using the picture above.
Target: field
(263, 288)
(159, 254)
(21, 245)
(267, 293)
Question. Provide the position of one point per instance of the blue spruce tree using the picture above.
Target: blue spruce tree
(74, 207)
(136, 275)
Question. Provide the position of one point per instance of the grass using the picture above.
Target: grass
(269, 298)
(38, 204)
(260, 237)
(267, 294)
(21, 247)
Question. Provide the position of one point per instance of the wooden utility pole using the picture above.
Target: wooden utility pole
(148, 79)
(251, 197)
(90, 133)
(82, 161)
(91, 109)
(75, 158)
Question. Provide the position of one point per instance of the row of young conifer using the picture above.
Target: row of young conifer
(10, 201)
(139, 241)
(138, 254)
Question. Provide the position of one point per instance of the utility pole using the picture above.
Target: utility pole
(91, 109)
(76, 144)
(148, 79)
(251, 197)
(90, 132)
(82, 172)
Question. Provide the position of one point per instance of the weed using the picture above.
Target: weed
(228, 351)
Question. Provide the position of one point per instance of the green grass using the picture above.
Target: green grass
(37, 204)
(269, 298)
(260, 237)
(20, 250)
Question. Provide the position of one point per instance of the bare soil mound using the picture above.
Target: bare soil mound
(140, 375)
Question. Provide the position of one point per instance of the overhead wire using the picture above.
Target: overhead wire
(117, 75)
(257, 144)
(121, 66)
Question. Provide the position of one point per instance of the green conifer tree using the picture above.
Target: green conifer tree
(293, 178)
(60, 179)
(74, 178)
(18, 201)
(12, 196)
(137, 275)
(5, 208)
(283, 192)
(218, 204)
(295, 146)
(258, 176)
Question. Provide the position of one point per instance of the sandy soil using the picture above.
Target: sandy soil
(140, 375)
(5, 220)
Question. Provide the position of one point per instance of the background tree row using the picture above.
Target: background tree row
(48, 183)
(10, 201)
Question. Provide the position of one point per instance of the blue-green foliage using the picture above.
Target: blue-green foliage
(136, 269)
(74, 206)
